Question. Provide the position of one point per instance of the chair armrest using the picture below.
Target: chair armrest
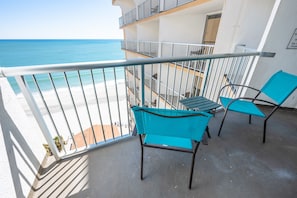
(239, 85)
(251, 99)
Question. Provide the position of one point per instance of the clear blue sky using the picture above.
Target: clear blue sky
(34, 19)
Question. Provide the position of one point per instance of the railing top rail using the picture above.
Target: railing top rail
(170, 43)
(38, 69)
(190, 44)
(157, 42)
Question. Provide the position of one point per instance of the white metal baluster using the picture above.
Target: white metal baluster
(75, 109)
(108, 104)
(87, 106)
(47, 108)
(63, 112)
(117, 96)
(37, 114)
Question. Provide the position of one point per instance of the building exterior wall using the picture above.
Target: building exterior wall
(242, 22)
(276, 39)
(265, 25)
(148, 31)
(182, 28)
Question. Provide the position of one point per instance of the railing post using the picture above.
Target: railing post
(136, 13)
(37, 114)
(150, 8)
(188, 49)
(134, 85)
(142, 86)
(205, 77)
(162, 5)
(160, 49)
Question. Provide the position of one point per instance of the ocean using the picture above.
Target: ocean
(39, 52)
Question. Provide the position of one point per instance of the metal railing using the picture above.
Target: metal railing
(166, 49)
(173, 4)
(88, 103)
(149, 8)
(185, 49)
(148, 48)
(166, 83)
(75, 103)
(130, 16)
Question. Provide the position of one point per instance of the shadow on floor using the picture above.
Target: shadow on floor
(236, 164)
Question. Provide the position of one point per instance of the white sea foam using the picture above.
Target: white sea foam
(64, 95)
(83, 113)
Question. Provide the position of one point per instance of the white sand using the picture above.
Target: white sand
(82, 111)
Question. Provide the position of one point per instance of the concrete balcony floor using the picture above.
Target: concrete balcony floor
(236, 164)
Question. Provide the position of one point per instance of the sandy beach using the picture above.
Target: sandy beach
(74, 121)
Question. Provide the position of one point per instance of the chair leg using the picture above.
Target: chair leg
(207, 131)
(204, 138)
(141, 164)
(265, 122)
(193, 164)
(264, 132)
(219, 133)
(141, 159)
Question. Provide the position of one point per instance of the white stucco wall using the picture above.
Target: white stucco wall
(20, 146)
(267, 26)
(130, 33)
(242, 22)
(182, 28)
(276, 40)
(148, 31)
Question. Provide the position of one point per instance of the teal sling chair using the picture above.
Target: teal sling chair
(278, 88)
(178, 130)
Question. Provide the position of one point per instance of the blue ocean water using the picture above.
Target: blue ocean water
(39, 52)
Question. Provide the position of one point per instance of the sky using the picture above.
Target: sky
(59, 19)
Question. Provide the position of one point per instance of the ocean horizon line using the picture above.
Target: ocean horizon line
(34, 52)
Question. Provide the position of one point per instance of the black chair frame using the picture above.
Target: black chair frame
(267, 116)
(193, 152)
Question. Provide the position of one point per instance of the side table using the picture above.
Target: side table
(200, 103)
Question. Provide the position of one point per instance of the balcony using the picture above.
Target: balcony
(150, 8)
(107, 165)
(166, 49)
(234, 165)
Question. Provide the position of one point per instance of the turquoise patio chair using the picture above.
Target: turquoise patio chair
(178, 130)
(278, 88)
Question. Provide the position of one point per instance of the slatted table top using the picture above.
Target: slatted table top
(199, 103)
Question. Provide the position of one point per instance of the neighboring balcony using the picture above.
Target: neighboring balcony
(150, 8)
(166, 49)
(88, 104)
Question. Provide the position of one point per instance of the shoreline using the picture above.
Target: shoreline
(64, 95)
(83, 117)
